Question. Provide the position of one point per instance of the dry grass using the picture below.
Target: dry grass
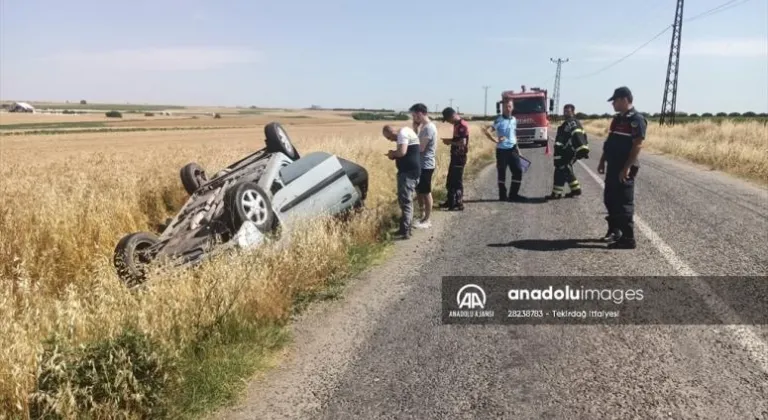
(69, 199)
(738, 148)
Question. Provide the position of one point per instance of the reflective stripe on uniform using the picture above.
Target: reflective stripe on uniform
(515, 181)
(620, 134)
(574, 184)
(557, 189)
(557, 143)
(585, 147)
(577, 130)
(557, 157)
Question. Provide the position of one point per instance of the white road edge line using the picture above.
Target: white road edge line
(744, 335)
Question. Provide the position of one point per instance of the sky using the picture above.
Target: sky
(360, 53)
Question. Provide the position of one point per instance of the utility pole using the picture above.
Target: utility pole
(437, 108)
(485, 102)
(451, 102)
(668, 105)
(556, 93)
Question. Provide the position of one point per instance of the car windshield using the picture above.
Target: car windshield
(529, 106)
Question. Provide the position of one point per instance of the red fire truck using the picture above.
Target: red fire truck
(530, 110)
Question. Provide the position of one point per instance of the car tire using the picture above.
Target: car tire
(130, 258)
(277, 140)
(248, 201)
(192, 177)
(360, 203)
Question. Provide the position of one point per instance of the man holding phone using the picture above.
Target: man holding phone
(459, 149)
(408, 161)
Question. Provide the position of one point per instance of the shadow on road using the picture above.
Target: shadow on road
(550, 244)
(483, 200)
(530, 200)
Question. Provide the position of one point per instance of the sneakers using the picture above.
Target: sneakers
(423, 224)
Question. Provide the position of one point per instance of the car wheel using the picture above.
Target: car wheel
(247, 201)
(277, 140)
(192, 177)
(360, 203)
(131, 257)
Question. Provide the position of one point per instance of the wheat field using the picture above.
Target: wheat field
(738, 148)
(68, 199)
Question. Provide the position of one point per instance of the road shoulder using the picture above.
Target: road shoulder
(328, 334)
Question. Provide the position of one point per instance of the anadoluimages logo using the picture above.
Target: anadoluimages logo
(471, 300)
(471, 296)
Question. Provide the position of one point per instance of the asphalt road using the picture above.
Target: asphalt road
(382, 351)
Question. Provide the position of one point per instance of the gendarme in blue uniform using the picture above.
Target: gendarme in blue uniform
(506, 126)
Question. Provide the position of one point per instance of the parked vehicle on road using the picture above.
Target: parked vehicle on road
(244, 203)
(530, 110)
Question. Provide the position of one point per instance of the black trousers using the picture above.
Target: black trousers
(565, 174)
(619, 198)
(455, 182)
(508, 158)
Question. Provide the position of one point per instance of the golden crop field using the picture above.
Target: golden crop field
(68, 199)
(738, 148)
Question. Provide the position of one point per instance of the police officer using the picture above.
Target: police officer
(502, 132)
(570, 146)
(620, 152)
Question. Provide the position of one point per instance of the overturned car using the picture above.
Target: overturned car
(243, 203)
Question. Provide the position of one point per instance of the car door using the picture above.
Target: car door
(315, 184)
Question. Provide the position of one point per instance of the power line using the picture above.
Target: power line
(725, 6)
(716, 10)
(626, 56)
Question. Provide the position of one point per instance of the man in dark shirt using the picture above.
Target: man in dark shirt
(408, 161)
(459, 148)
(620, 152)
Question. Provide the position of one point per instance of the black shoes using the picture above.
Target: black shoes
(400, 235)
(573, 193)
(517, 198)
(623, 243)
(616, 240)
(613, 235)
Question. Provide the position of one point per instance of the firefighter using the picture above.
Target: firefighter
(620, 152)
(570, 146)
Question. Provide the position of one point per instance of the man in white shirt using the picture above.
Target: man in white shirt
(408, 161)
(428, 139)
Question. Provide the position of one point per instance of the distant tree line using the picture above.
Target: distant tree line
(679, 116)
(377, 115)
(381, 116)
